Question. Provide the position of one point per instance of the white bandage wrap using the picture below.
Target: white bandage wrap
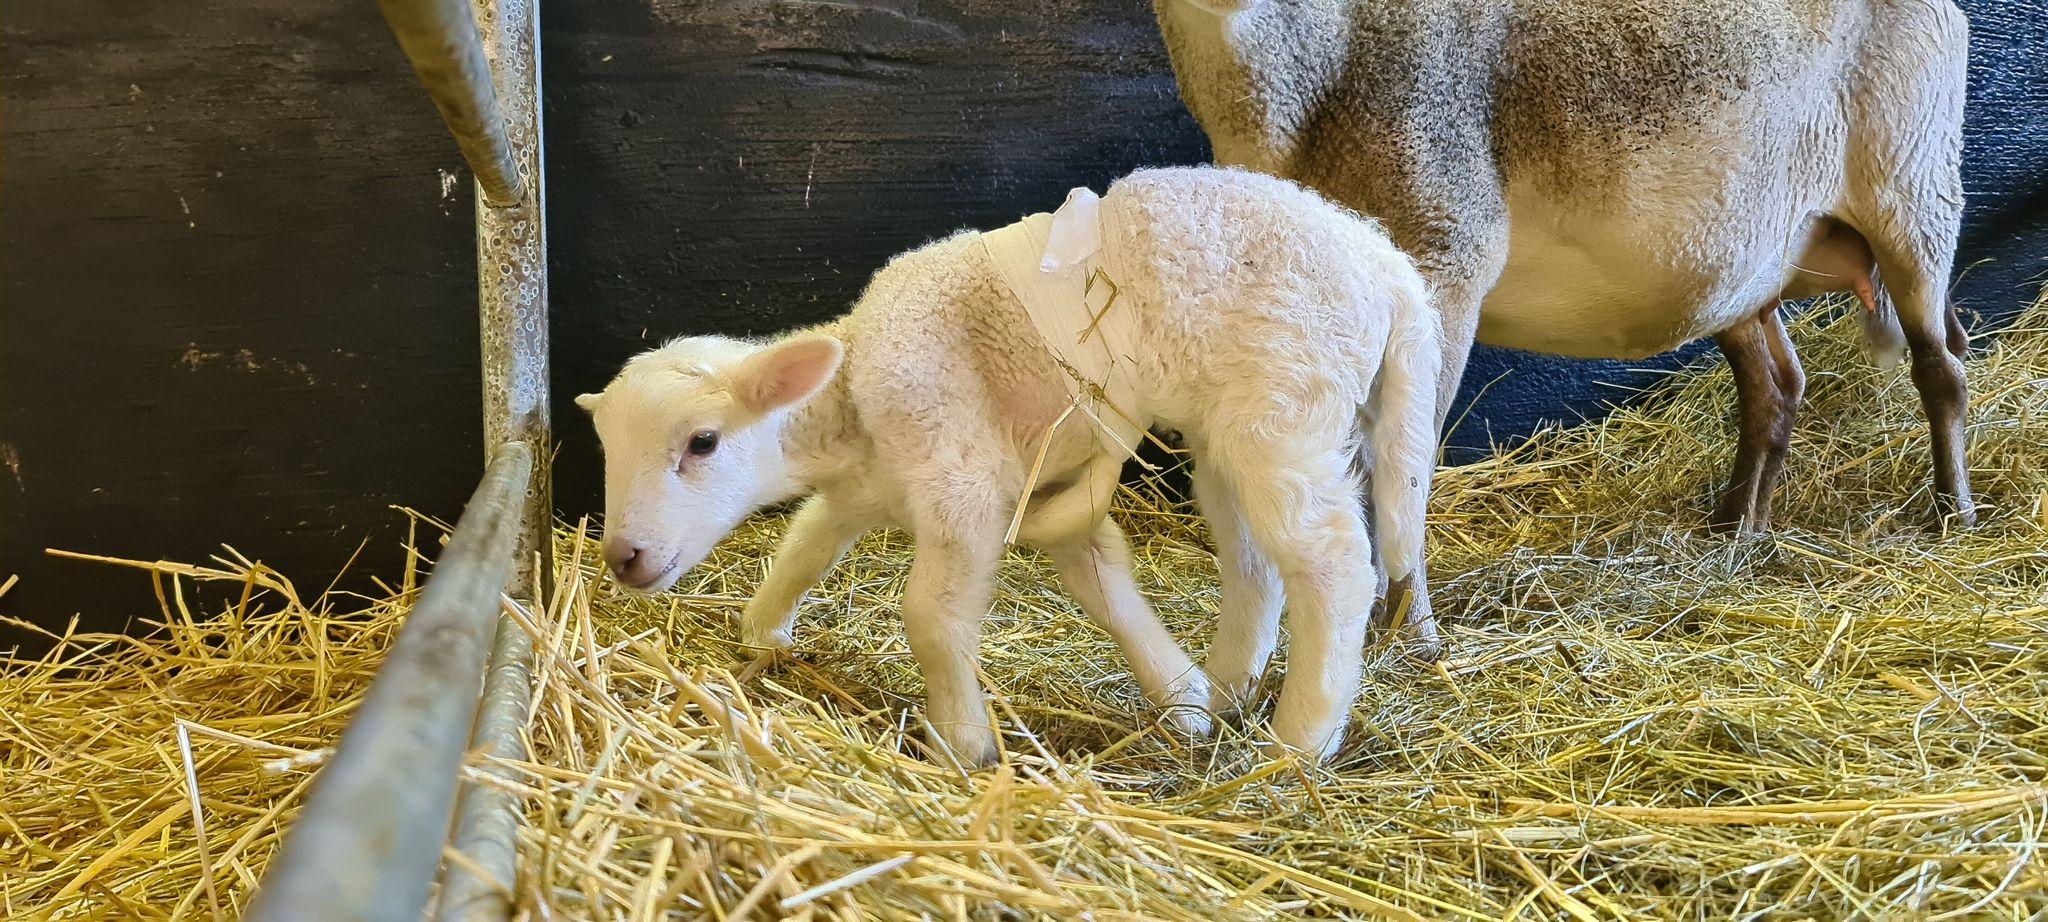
(1066, 268)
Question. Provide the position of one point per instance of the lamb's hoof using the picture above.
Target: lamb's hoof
(1304, 750)
(972, 747)
(1958, 519)
(1186, 705)
(1228, 701)
(769, 639)
(1187, 720)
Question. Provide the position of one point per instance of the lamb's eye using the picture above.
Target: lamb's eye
(703, 443)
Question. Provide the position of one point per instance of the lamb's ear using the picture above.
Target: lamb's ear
(786, 373)
(588, 402)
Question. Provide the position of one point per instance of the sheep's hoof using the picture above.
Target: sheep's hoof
(1736, 522)
(1422, 641)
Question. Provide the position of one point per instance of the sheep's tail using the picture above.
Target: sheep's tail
(1884, 341)
(1404, 430)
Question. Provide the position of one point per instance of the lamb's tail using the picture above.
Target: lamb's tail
(1884, 341)
(1404, 430)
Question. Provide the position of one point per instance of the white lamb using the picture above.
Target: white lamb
(1282, 335)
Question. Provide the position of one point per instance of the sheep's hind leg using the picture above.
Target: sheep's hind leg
(1906, 198)
(1764, 427)
(1936, 342)
(1790, 380)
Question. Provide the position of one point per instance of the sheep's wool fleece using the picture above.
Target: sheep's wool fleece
(1066, 268)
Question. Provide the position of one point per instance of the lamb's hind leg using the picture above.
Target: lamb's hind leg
(1443, 201)
(1097, 571)
(1298, 497)
(1248, 612)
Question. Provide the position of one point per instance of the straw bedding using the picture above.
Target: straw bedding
(1844, 719)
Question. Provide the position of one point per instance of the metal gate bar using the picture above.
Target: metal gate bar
(441, 40)
(371, 835)
(367, 842)
(512, 315)
(487, 820)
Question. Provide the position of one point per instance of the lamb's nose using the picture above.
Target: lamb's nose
(621, 556)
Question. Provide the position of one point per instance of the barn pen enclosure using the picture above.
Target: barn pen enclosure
(322, 597)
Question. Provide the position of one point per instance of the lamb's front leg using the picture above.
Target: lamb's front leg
(818, 536)
(951, 581)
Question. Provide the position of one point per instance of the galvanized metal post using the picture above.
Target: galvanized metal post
(371, 835)
(487, 820)
(512, 277)
(441, 40)
(369, 838)
(512, 292)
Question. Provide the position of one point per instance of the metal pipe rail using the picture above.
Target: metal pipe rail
(369, 838)
(441, 40)
(487, 819)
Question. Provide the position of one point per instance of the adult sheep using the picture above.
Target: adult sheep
(1613, 180)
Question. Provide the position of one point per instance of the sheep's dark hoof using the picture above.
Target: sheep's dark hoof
(1733, 518)
(1427, 649)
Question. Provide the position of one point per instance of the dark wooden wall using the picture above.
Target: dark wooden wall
(237, 301)
(236, 297)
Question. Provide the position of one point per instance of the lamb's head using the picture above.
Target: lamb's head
(692, 436)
